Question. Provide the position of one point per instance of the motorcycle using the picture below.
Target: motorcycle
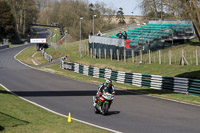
(103, 102)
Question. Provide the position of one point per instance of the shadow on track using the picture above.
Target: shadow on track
(113, 112)
(66, 93)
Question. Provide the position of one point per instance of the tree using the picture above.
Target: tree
(41, 4)
(192, 9)
(120, 16)
(67, 13)
(7, 22)
(110, 14)
(25, 13)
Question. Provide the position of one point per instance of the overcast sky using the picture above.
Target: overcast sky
(127, 5)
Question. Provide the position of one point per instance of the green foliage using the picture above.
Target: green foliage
(25, 14)
(7, 22)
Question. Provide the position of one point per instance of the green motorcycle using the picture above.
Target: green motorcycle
(103, 102)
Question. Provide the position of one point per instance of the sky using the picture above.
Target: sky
(128, 6)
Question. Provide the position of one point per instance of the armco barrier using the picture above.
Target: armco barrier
(4, 46)
(46, 56)
(194, 87)
(173, 84)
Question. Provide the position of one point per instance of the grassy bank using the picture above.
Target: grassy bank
(19, 116)
(164, 69)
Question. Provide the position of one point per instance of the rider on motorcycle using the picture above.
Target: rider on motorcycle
(106, 85)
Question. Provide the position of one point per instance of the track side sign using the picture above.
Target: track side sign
(38, 40)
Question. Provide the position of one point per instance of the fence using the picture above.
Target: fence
(4, 46)
(46, 56)
(172, 84)
(170, 57)
(170, 22)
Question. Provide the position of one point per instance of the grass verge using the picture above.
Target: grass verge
(19, 116)
(34, 56)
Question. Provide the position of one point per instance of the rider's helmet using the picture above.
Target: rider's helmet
(108, 82)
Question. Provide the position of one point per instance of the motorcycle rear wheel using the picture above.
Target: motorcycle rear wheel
(96, 110)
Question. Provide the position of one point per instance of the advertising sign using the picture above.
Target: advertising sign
(38, 40)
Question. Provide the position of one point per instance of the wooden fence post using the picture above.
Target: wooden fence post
(91, 52)
(117, 54)
(141, 56)
(132, 51)
(85, 49)
(197, 62)
(111, 54)
(170, 57)
(124, 55)
(182, 60)
(149, 57)
(105, 53)
(95, 53)
(99, 53)
(159, 55)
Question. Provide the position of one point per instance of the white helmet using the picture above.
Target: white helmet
(108, 81)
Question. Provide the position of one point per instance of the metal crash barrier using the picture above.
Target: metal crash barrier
(172, 84)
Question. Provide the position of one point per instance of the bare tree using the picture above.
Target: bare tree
(193, 10)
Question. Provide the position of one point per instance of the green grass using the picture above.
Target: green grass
(19, 116)
(33, 56)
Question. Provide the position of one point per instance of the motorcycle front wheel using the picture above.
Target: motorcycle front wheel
(105, 107)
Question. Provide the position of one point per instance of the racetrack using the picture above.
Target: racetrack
(130, 113)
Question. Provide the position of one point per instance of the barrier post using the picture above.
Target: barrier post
(182, 60)
(159, 55)
(149, 57)
(132, 51)
(117, 54)
(197, 58)
(111, 54)
(141, 56)
(124, 55)
(105, 53)
(170, 57)
(95, 53)
(99, 53)
(86, 49)
(91, 52)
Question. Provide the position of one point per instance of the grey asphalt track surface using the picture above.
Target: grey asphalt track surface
(130, 112)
